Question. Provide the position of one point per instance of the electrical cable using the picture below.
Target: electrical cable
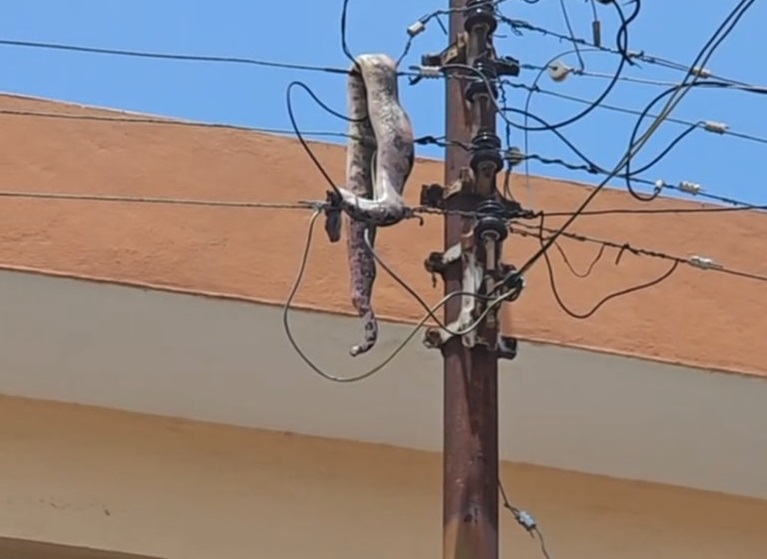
(179, 57)
(628, 111)
(572, 269)
(430, 310)
(702, 58)
(157, 201)
(591, 168)
(509, 167)
(666, 93)
(288, 306)
(593, 310)
(698, 262)
(344, 44)
(519, 25)
(569, 26)
(524, 519)
(167, 121)
(299, 135)
(526, 129)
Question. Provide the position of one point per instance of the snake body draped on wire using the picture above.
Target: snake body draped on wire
(379, 158)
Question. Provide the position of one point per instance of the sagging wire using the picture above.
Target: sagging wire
(524, 519)
(702, 58)
(570, 266)
(430, 314)
(602, 302)
(494, 301)
(588, 165)
(300, 137)
(696, 261)
(670, 92)
(344, 44)
(297, 130)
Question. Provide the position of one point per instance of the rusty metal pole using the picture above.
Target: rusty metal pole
(470, 468)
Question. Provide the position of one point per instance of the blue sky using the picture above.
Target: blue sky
(307, 31)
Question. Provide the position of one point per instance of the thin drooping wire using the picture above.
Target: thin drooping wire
(289, 332)
(297, 130)
(525, 230)
(670, 92)
(344, 44)
(573, 271)
(602, 302)
(507, 136)
(431, 313)
(569, 25)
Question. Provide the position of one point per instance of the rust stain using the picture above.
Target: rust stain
(697, 318)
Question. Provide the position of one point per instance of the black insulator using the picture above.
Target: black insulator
(491, 220)
(486, 148)
(480, 12)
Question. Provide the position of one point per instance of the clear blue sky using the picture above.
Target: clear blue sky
(308, 32)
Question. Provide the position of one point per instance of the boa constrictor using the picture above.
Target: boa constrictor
(379, 158)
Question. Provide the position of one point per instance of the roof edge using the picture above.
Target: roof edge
(394, 320)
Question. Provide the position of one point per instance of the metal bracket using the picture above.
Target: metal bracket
(437, 262)
(453, 54)
(435, 195)
(507, 347)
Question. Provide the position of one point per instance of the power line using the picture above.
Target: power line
(697, 262)
(519, 26)
(615, 108)
(167, 201)
(684, 187)
(167, 122)
(171, 56)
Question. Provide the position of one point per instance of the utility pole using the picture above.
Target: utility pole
(475, 227)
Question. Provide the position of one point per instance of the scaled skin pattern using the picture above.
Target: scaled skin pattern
(379, 159)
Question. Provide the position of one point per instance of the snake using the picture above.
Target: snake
(380, 156)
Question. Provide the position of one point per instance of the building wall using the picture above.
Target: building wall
(169, 488)
(255, 253)
(230, 362)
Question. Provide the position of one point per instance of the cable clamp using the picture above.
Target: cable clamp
(704, 263)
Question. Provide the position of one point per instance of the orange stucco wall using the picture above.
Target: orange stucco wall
(698, 318)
